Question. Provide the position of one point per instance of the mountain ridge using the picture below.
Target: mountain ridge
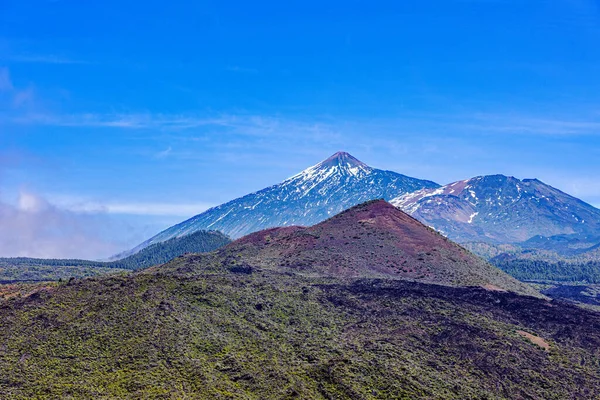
(500, 209)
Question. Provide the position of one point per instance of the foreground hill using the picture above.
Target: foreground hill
(501, 209)
(198, 328)
(373, 239)
(313, 195)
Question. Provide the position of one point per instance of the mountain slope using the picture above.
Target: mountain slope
(159, 253)
(373, 239)
(222, 325)
(500, 209)
(307, 198)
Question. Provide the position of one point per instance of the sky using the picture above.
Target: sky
(121, 118)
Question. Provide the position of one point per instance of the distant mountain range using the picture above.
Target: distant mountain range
(313, 195)
(500, 209)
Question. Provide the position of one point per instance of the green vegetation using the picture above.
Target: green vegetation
(540, 264)
(159, 253)
(559, 271)
(33, 269)
(489, 250)
(37, 273)
(198, 328)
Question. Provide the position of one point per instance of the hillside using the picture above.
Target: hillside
(501, 209)
(548, 271)
(564, 262)
(201, 328)
(159, 253)
(313, 195)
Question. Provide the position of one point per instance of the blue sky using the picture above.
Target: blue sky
(120, 118)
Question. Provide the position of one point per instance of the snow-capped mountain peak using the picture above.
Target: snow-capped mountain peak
(311, 196)
(343, 160)
(340, 164)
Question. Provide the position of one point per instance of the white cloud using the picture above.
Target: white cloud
(29, 202)
(36, 228)
(125, 121)
(157, 209)
(243, 70)
(165, 153)
(480, 123)
(67, 227)
(15, 98)
(532, 125)
(584, 188)
(504, 123)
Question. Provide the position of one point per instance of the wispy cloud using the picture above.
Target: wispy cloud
(125, 121)
(139, 208)
(44, 59)
(5, 81)
(193, 127)
(165, 153)
(519, 124)
(13, 97)
(241, 70)
(256, 124)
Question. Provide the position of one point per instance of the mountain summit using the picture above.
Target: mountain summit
(343, 160)
(315, 194)
(337, 167)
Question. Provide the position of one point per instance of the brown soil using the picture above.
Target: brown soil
(493, 288)
(535, 340)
